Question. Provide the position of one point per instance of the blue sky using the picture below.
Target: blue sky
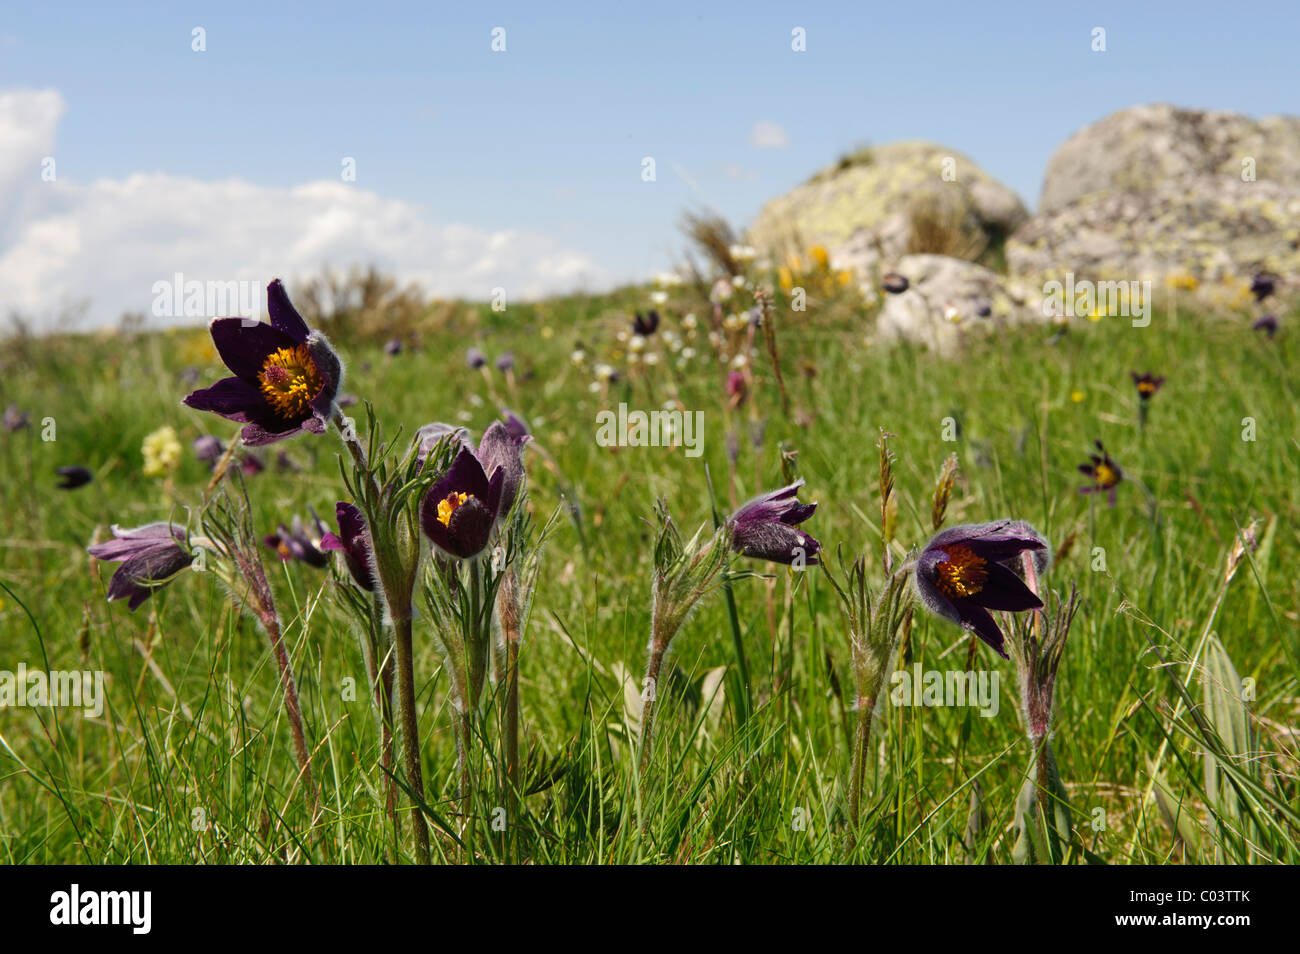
(546, 139)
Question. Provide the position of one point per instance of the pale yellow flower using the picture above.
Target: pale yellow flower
(162, 453)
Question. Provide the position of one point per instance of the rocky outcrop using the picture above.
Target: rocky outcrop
(1203, 235)
(1193, 200)
(1146, 147)
(886, 202)
(948, 299)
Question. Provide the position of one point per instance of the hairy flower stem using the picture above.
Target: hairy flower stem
(411, 733)
(464, 739)
(861, 738)
(649, 692)
(294, 711)
(349, 438)
(379, 669)
(395, 581)
(250, 567)
(510, 731)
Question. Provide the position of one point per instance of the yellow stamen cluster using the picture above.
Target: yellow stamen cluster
(447, 507)
(290, 379)
(1105, 476)
(963, 573)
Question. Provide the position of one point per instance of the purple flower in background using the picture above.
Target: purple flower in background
(346, 399)
(300, 542)
(14, 419)
(353, 541)
(1266, 324)
(462, 506)
(895, 283)
(475, 358)
(150, 556)
(983, 307)
(765, 528)
(646, 326)
(506, 362)
(1262, 285)
(251, 465)
(968, 570)
(208, 449)
(736, 388)
(73, 477)
(393, 347)
(1147, 384)
(1105, 473)
(285, 375)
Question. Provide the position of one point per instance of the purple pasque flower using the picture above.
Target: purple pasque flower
(393, 347)
(286, 376)
(299, 541)
(967, 570)
(765, 528)
(475, 358)
(209, 449)
(150, 556)
(501, 451)
(1105, 473)
(1262, 285)
(1147, 384)
(15, 419)
(1266, 324)
(505, 361)
(647, 325)
(736, 388)
(895, 283)
(353, 541)
(1041, 556)
(73, 477)
(462, 506)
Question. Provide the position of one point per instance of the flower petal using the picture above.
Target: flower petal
(1004, 590)
(284, 316)
(244, 344)
(232, 398)
(269, 429)
(500, 452)
(977, 620)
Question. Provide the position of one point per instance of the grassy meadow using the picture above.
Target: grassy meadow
(1171, 750)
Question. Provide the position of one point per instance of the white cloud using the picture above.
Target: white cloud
(108, 241)
(766, 134)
